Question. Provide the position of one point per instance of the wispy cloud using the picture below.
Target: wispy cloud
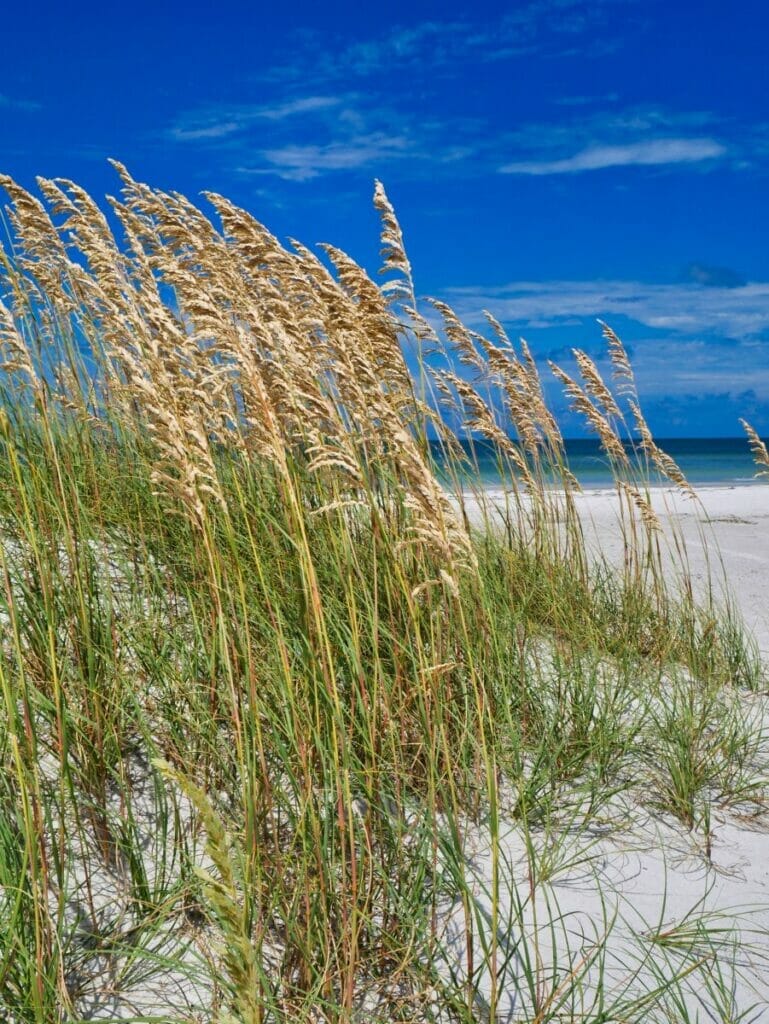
(713, 277)
(299, 138)
(302, 105)
(214, 130)
(301, 163)
(689, 343)
(218, 122)
(685, 309)
(648, 152)
(602, 138)
(586, 100)
(531, 26)
(317, 134)
(442, 41)
(14, 103)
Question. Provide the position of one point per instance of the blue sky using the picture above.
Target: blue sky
(553, 161)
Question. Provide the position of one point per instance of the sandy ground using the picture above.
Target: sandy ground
(726, 523)
(625, 915)
(731, 523)
(652, 878)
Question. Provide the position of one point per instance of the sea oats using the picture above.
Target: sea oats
(640, 502)
(581, 403)
(758, 448)
(499, 332)
(14, 352)
(521, 404)
(393, 251)
(261, 660)
(623, 371)
(461, 337)
(542, 413)
(41, 253)
(664, 463)
(594, 383)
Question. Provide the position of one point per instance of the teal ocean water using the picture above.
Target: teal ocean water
(706, 462)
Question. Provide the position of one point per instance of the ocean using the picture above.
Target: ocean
(706, 462)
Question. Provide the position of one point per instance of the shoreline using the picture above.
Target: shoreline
(608, 488)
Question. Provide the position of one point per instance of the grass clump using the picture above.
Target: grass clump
(265, 661)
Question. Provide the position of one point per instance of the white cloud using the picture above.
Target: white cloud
(586, 99)
(222, 121)
(650, 152)
(215, 130)
(301, 163)
(303, 105)
(684, 340)
(319, 133)
(683, 309)
(12, 103)
(528, 26)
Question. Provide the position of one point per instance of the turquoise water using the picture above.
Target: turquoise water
(704, 461)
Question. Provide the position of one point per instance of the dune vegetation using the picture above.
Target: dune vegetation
(270, 656)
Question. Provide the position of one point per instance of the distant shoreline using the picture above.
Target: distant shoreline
(493, 487)
(705, 462)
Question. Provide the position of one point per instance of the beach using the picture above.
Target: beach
(726, 528)
(728, 525)
(644, 876)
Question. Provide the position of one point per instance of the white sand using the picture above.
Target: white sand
(616, 893)
(736, 525)
(735, 521)
(655, 876)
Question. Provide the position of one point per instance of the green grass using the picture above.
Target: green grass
(251, 710)
(293, 691)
